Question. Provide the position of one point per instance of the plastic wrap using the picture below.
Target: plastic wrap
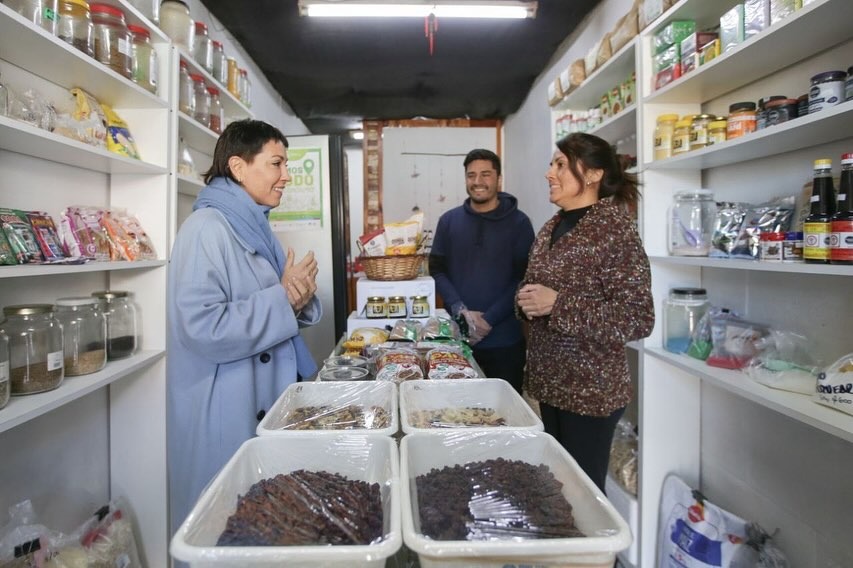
(734, 341)
(399, 365)
(835, 385)
(773, 217)
(604, 531)
(624, 456)
(321, 407)
(24, 542)
(470, 404)
(366, 458)
(700, 340)
(437, 327)
(785, 362)
(446, 362)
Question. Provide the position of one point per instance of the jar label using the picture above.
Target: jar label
(841, 241)
(4, 371)
(816, 241)
(124, 46)
(54, 360)
(825, 95)
(50, 15)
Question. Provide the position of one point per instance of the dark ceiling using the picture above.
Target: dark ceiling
(336, 72)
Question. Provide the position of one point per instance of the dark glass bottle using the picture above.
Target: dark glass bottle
(816, 227)
(841, 241)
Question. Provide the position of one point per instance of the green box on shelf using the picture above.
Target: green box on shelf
(667, 58)
(673, 33)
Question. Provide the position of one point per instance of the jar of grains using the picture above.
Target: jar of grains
(203, 47)
(217, 113)
(220, 63)
(40, 12)
(186, 91)
(112, 39)
(122, 336)
(35, 348)
(175, 21)
(75, 25)
(202, 100)
(85, 330)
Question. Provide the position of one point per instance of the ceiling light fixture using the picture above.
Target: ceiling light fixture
(418, 9)
(357, 134)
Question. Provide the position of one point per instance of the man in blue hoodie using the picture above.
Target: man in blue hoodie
(479, 256)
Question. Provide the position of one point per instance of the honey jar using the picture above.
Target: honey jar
(396, 307)
(376, 307)
(420, 307)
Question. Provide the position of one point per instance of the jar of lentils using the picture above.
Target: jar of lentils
(112, 39)
(85, 330)
(35, 348)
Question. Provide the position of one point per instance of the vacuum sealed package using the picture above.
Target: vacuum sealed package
(624, 456)
(448, 363)
(399, 365)
(835, 385)
(734, 341)
(727, 226)
(785, 362)
(772, 217)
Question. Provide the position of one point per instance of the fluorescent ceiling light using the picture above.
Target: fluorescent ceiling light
(357, 134)
(418, 9)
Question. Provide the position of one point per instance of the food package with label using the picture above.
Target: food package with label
(625, 30)
(691, 47)
(667, 58)
(835, 385)
(119, 138)
(591, 59)
(672, 34)
(710, 52)
(666, 76)
(732, 28)
(555, 94)
(616, 103)
(399, 365)
(651, 10)
(628, 90)
(781, 9)
(577, 73)
(756, 17)
(405, 237)
(47, 236)
(604, 52)
(19, 233)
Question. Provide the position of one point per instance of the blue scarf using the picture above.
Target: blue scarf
(251, 222)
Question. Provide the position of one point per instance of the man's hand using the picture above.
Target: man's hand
(480, 326)
(300, 279)
(536, 300)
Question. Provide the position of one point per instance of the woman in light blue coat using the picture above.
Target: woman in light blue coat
(235, 306)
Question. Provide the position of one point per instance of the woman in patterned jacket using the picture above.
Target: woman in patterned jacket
(586, 293)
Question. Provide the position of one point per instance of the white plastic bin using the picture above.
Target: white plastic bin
(336, 395)
(626, 505)
(496, 394)
(365, 457)
(594, 515)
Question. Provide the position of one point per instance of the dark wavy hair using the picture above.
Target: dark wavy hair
(243, 138)
(596, 153)
(482, 154)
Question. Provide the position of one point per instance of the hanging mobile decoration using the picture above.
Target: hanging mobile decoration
(430, 27)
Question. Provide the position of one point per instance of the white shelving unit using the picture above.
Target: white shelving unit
(98, 436)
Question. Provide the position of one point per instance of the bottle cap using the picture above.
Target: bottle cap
(823, 163)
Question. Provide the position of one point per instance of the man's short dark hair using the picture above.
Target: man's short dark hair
(483, 154)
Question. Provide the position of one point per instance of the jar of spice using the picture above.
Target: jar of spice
(145, 67)
(682, 310)
(396, 307)
(186, 91)
(202, 100)
(741, 120)
(233, 77)
(375, 307)
(4, 369)
(664, 129)
(42, 13)
(85, 335)
(35, 348)
(771, 246)
(112, 39)
(717, 131)
(203, 47)
(220, 63)
(699, 130)
(681, 135)
(122, 335)
(420, 307)
(217, 113)
(75, 25)
(175, 21)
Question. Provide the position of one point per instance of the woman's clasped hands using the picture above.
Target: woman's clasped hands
(536, 300)
(300, 279)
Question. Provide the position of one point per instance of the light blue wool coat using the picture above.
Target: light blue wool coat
(230, 350)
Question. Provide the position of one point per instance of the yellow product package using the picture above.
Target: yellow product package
(88, 118)
(119, 139)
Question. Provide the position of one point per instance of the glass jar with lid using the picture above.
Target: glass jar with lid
(376, 307)
(664, 130)
(396, 307)
(145, 67)
(122, 335)
(4, 370)
(233, 83)
(203, 47)
(149, 8)
(112, 39)
(220, 63)
(742, 120)
(420, 307)
(85, 331)
(75, 25)
(217, 113)
(717, 131)
(202, 100)
(186, 91)
(245, 87)
(35, 348)
(691, 222)
(682, 310)
(42, 13)
(175, 21)
(699, 131)
(681, 135)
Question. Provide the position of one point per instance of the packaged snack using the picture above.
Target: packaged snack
(372, 244)
(774, 216)
(727, 226)
(47, 236)
(691, 47)
(667, 57)
(405, 330)
(7, 255)
(438, 327)
(448, 363)
(732, 28)
(90, 118)
(133, 229)
(652, 10)
(625, 29)
(709, 52)
(603, 53)
(402, 238)
(577, 73)
(119, 139)
(781, 9)
(735, 341)
(399, 365)
(20, 235)
(835, 385)
(82, 234)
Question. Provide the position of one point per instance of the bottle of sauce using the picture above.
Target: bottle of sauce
(816, 227)
(841, 241)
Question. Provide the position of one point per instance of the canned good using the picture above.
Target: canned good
(827, 90)
(376, 307)
(396, 307)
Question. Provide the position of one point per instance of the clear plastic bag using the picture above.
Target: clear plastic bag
(735, 341)
(24, 542)
(624, 455)
(785, 362)
(108, 539)
(835, 385)
(446, 362)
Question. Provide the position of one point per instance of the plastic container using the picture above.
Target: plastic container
(346, 361)
(4, 370)
(217, 113)
(682, 310)
(203, 47)
(446, 404)
(35, 348)
(175, 21)
(85, 335)
(781, 110)
(691, 222)
(827, 90)
(629, 509)
(220, 63)
(681, 135)
(186, 91)
(202, 100)
(344, 374)
(144, 58)
(716, 132)
(771, 246)
(346, 407)
(75, 25)
(42, 13)
(122, 330)
(742, 120)
(607, 533)
(112, 39)
(366, 457)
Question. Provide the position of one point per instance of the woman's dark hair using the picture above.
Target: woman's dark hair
(597, 154)
(243, 138)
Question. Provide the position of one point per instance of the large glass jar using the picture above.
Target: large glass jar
(85, 330)
(220, 63)
(122, 334)
(682, 310)
(40, 12)
(4, 369)
(664, 130)
(203, 47)
(217, 114)
(35, 348)
(145, 66)
(112, 39)
(691, 222)
(175, 21)
(202, 100)
(75, 25)
(149, 8)
(186, 91)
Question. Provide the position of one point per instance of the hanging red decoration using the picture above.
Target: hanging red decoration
(430, 27)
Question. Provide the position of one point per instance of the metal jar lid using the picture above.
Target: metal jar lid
(28, 309)
(109, 295)
(688, 293)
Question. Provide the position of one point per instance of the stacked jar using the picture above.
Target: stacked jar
(186, 90)
(217, 114)
(203, 47)
(112, 39)
(122, 335)
(175, 21)
(202, 100)
(40, 12)
(85, 335)
(35, 348)
(144, 59)
(220, 63)
(75, 25)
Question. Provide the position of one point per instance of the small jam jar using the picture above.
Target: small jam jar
(717, 131)
(664, 130)
(376, 307)
(396, 307)
(699, 131)
(741, 121)
(420, 307)
(681, 136)
(771, 246)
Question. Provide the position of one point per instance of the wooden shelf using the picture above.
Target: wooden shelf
(23, 138)
(232, 106)
(27, 270)
(611, 74)
(24, 408)
(189, 186)
(810, 30)
(66, 66)
(618, 127)
(800, 407)
(822, 127)
(757, 265)
(196, 135)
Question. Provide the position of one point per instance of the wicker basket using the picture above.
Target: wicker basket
(395, 267)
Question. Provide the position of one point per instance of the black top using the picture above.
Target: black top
(568, 220)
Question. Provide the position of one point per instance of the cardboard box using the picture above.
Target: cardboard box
(731, 28)
(690, 48)
(420, 286)
(672, 34)
(781, 9)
